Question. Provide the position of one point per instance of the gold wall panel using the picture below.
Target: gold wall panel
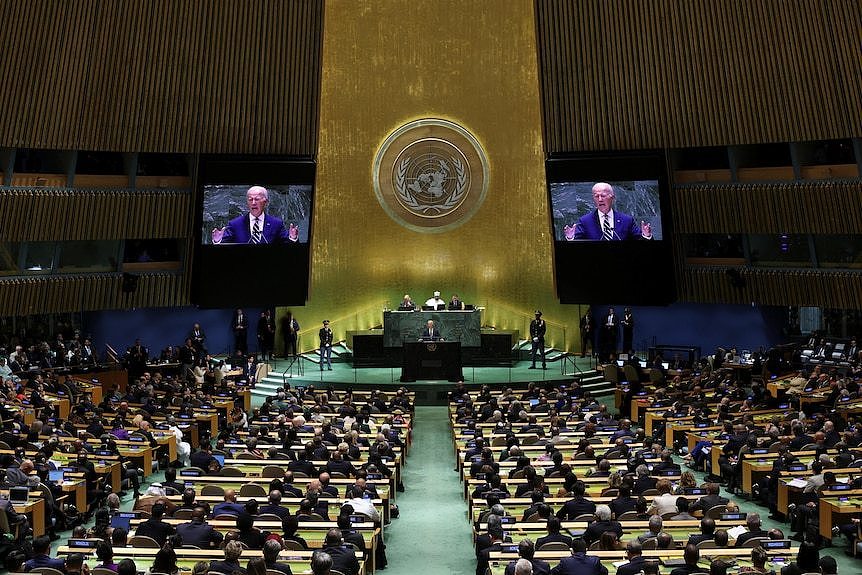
(386, 63)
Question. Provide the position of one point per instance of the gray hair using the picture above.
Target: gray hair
(523, 567)
(655, 523)
(603, 513)
(642, 470)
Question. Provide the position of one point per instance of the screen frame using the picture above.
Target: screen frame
(210, 262)
(630, 272)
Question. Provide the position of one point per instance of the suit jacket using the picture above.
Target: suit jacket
(430, 333)
(343, 560)
(199, 534)
(555, 537)
(580, 564)
(574, 507)
(538, 328)
(620, 506)
(596, 528)
(325, 335)
(157, 529)
(227, 568)
(687, 569)
(642, 484)
(750, 535)
(228, 508)
(238, 231)
(539, 567)
(590, 228)
(274, 510)
(698, 537)
(632, 567)
(240, 325)
(707, 502)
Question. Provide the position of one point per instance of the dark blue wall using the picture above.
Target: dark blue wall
(703, 325)
(158, 328)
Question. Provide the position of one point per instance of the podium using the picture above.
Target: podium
(431, 360)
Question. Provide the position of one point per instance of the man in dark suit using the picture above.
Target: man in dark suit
(801, 438)
(577, 505)
(239, 326)
(628, 323)
(606, 224)
(198, 338)
(710, 500)
(271, 550)
(203, 458)
(343, 558)
(580, 563)
(255, 227)
(325, 336)
(691, 556)
(526, 550)
(602, 523)
(430, 331)
(644, 481)
(537, 337)
(199, 533)
(154, 527)
(274, 506)
(707, 532)
(229, 506)
(610, 333)
(754, 530)
(553, 534)
(624, 502)
(587, 332)
(634, 553)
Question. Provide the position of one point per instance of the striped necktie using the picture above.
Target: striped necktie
(607, 230)
(255, 231)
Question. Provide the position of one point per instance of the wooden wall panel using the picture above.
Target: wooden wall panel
(841, 290)
(787, 207)
(63, 214)
(627, 74)
(58, 294)
(153, 75)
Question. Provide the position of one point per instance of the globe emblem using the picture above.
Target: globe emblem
(430, 175)
(431, 178)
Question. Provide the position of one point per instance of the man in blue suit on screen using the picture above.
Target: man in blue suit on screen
(255, 227)
(605, 224)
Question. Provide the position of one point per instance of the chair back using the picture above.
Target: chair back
(212, 490)
(293, 545)
(650, 544)
(754, 541)
(715, 512)
(46, 571)
(708, 544)
(272, 471)
(183, 514)
(142, 541)
(252, 490)
(628, 516)
(229, 471)
(553, 546)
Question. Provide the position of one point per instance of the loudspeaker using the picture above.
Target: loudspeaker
(130, 283)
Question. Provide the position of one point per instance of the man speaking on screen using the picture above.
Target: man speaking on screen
(255, 227)
(605, 224)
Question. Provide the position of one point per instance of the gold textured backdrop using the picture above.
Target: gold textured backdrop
(386, 63)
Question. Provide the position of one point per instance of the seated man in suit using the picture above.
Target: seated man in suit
(691, 556)
(643, 481)
(580, 563)
(230, 565)
(577, 505)
(655, 526)
(707, 532)
(710, 500)
(634, 553)
(526, 551)
(274, 506)
(271, 550)
(606, 224)
(754, 530)
(154, 527)
(602, 523)
(229, 506)
(553, 534)
(255, 227)
(343, 558)
(199, 533)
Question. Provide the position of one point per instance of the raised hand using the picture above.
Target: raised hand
(569, 231)
(217, 235)
(293, 233)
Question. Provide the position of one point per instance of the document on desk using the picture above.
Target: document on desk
(735, 532)
(796, 482)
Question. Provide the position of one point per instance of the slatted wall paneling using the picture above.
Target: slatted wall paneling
(789, 207)
(149, 75)
(628, 74)
(65, 214)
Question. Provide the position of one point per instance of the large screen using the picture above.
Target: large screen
(283, 214)
(253, 219)
(606, 211)
(611, 223)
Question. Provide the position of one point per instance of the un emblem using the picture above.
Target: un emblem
(430, 175)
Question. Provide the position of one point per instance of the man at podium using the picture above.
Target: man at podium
(430, 332)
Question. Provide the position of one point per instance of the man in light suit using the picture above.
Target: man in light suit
(430, 331)
(606, 224)
(255, 227)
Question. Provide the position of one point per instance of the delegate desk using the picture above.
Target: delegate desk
(838, 507)
(431, 360)
(402, 327)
